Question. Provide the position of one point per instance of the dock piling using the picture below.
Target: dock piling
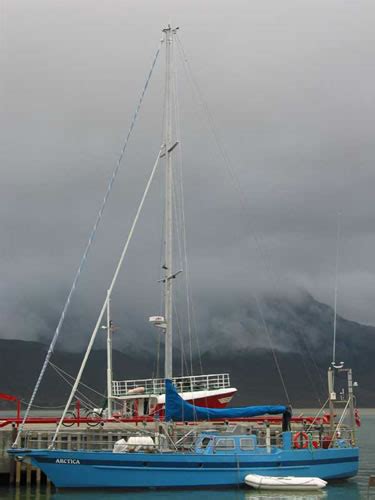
(28, 474)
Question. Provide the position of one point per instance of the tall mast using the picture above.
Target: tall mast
(168, 223)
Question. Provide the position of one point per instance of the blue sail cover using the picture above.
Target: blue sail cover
(179, 410)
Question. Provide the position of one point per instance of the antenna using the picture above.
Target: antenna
(336, 290)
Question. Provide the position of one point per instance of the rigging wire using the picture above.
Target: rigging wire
(55, 367)
(88, 247)
(66, 376)
(313, 361)
(109, 292)
(314, 386)
(87, 402)
(262, 250)
(182, 349)
(156, 371)
(176, 290)
(274, 355)
(161, 273)
(179, 237)
(157, 368)
(178, 224)
(312, 357)
(177, 220)
(25, 403)
(237, 185)
(179, 171)
(195, 330)
(266, 261)
(315, 366)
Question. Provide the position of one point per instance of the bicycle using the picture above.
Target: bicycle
(86, 414)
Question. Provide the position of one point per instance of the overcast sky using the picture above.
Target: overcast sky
(290, 86)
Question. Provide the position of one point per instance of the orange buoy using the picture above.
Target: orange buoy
(300, 440)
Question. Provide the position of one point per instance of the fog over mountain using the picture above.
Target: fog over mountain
(290, 86)
(304, 328)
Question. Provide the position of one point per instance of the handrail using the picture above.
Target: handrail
(317, 416)
(184, 384)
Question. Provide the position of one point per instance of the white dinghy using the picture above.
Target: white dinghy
(285, 483)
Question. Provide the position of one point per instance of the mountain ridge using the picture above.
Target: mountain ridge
(305, 325)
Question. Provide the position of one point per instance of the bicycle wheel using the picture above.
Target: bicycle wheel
(71, 415)
(94, 415)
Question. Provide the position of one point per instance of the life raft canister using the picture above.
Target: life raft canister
(326, 442)
(300, 440)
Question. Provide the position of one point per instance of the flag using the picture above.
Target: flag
(357, 418)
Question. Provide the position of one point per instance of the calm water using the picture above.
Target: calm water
(351, 490)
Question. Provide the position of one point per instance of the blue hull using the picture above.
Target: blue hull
(103, 469)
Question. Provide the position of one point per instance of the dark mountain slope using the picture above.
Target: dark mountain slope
(301, 332)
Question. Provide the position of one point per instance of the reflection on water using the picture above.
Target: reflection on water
(346, 490)
(286, 495)
(223, 494)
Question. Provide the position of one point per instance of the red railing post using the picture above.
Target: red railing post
(78, 411)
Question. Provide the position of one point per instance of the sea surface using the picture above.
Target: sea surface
(353, 489)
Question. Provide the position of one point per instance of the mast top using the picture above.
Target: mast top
(169, 28)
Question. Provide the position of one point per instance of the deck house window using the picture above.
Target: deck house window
(247, 444)
(224, 444)
(204, 442)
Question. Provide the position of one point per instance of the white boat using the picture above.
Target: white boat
(285, 483)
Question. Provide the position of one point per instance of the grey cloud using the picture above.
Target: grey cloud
(290, 86)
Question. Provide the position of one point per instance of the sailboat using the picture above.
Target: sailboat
(200, 457)
(207, 458)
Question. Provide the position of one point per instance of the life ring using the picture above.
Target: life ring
(301, 440)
